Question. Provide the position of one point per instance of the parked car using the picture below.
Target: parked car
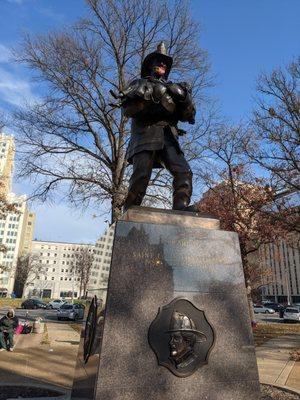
(263, 309)
(291, 314)
(275, 306)
(56, 304)
(33, 304)
(70, 311)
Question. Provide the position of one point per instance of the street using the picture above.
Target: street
(268, 318)
(31, 315)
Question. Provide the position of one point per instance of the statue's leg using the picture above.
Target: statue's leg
(142, 168)
(177, 165)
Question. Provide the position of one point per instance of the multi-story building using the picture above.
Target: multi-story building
(11, 227)
(57, 277)
(27, 232)
(7, 153)
(101, 264)
(16, 228)
(281, 272)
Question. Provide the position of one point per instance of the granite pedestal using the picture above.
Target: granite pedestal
(159, 256)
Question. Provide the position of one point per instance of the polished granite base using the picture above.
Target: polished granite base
(157, 257)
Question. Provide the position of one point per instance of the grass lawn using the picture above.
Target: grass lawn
(264, 332)
(77, 326)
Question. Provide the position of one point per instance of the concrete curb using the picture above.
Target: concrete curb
(41, 398)
(64, 395)
(286, 388)
(283, 377)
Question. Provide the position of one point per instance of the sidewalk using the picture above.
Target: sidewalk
(41, 359)
(274, 364)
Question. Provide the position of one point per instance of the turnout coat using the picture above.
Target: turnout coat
(153, 112)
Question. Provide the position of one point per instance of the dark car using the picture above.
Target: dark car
(276, 306)
(33, 304)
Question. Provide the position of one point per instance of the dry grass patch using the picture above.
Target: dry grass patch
(77, 326)
(45, 337)
(264, 332)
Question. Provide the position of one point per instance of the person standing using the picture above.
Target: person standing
(8, 324)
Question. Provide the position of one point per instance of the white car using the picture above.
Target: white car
(56, 304)
(263, 309)
(291, 314)
(70, 311)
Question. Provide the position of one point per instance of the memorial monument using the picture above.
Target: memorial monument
(176, 323)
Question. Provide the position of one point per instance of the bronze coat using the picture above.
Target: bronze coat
(149, 123)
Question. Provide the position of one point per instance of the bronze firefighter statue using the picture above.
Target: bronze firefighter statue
(156, 105)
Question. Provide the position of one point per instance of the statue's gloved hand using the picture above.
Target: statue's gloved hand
(177, 91)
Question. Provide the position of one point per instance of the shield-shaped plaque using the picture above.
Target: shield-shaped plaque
(181, 337)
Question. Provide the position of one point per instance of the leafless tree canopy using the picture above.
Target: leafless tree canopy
(82, 267)
(73, 138)
(29, 268)
(277, 126)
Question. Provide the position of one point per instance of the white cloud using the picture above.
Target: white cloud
(15, 90)
(5, 54)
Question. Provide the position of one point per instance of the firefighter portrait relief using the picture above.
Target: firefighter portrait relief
(155, 106)
(181, 337)
(184, 337)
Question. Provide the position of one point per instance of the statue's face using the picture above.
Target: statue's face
(178, 345)
(158, 67)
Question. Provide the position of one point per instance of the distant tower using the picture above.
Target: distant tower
(7, 154)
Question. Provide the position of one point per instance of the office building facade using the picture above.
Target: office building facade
(57, 277)
(281, 272)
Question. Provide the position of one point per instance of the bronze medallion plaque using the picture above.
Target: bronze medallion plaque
(181, 337)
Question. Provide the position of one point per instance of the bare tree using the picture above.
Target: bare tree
(2, 121)
(276, 123)
(82, 267)
(73, 138)
(244, 203)
(29, 268)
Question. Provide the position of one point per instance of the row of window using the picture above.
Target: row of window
(11, 233)
(11, 240)
(61, 278)
(65, 248)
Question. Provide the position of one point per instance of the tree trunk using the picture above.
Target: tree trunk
(247, 282)
(117, 206)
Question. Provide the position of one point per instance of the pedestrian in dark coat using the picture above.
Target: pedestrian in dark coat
(8, 324)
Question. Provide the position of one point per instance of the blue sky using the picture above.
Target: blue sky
(242, 37)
